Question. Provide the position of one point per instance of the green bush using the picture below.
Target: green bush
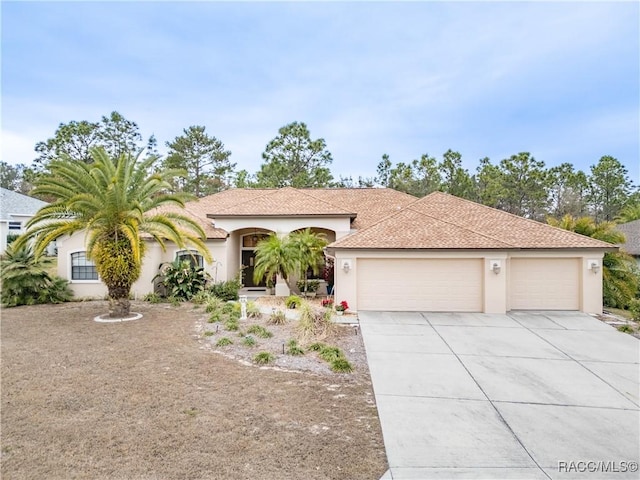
(232, 325)
(260, 331)
(293, 301)
(330, 354)
(316, 347)
(209, 333)
(214, 304)
(249, 341)
(183, 279)
(263, 358)
(223, 342)
(227, 290)
(625, 329)
(24, 279)
(293, 348)
(152, 298)
(341, 365)
(634, 308)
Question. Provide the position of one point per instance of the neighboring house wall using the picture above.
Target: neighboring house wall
(16, 210)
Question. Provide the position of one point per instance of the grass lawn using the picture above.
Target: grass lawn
(146, 400)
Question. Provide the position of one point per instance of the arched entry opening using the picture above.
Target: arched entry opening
(248, 244)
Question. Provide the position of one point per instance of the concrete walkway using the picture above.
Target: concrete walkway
(519, 396)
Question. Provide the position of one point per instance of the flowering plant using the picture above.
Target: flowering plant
(342, 306)
(327, 302)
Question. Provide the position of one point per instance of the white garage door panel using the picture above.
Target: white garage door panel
(545, 283)
(420, 285)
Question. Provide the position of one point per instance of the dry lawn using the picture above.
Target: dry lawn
(146, 400)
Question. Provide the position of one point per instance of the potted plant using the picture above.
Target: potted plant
(308, 287)
(341, 307)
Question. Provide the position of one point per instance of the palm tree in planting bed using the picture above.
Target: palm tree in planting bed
(115, 200)
(288, 255)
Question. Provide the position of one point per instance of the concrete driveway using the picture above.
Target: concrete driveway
(519, 396)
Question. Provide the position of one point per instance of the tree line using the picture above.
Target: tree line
(200, 165)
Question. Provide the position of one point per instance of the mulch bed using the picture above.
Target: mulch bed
(148, 399)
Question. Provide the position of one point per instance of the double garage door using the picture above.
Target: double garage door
(435, 285)
(457, 285)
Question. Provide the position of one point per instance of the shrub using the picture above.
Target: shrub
(253, 311)
(341, 365)
(316, 347)
(227, 308)
(232, 325)
(293, 301)
(224, 341)
(24, 279)
(330, 354)
(183, 279)
(227, 290)
(215, 317)
(293, 348)
(260, 331)
(263, 358)
(634, 308)
(277, 318)
(214, 304)
(201, 298)
(152, 298)
(314, 323)
(625, 329)
(209, 333)
(249, 341)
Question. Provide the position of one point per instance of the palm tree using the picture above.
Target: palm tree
(620, 278)
(275, 255)
(309, 247)
(629, 213)
(25, 278)
(115, 200)
(289, 255)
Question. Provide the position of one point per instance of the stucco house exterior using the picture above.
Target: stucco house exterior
(16, 210)
(392, 251)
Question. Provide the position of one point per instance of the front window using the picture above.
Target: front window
(15, 225)
(82, 268)
(194, 258)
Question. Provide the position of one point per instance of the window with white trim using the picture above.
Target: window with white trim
(15, 225)
(193, 257)
(82, 268)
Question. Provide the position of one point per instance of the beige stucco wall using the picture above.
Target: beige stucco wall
(153, 258)
(496, 286)
(341, 226)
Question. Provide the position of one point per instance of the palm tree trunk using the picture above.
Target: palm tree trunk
(119, 304)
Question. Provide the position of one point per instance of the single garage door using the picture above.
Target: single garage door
(544, 283)
(442, 285)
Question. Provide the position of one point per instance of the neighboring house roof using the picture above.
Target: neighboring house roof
(631, 232)
(442, 221)
(14, 203)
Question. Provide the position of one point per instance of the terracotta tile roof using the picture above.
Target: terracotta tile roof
(442, 221)
(631, 231)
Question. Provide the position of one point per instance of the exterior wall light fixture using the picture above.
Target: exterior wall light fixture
(495, 266)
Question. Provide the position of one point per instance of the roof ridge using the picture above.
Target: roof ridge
(253, 199)
(512, 215)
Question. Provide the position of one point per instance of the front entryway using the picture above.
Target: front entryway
(248, 262)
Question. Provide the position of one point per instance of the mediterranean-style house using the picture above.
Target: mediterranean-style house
(16, 210)
(392, 251)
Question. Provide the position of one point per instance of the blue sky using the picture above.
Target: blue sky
(558, 79)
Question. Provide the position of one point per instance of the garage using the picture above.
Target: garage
(416, 284)
(544, 283)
